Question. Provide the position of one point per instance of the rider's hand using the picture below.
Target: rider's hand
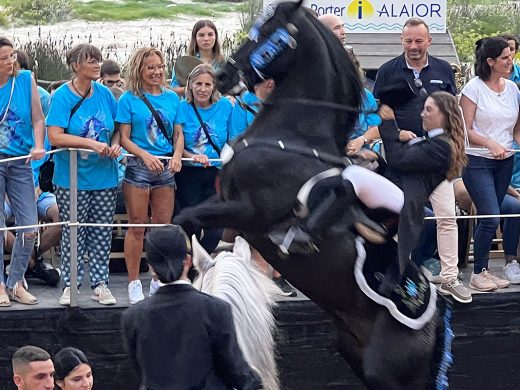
(406, 135)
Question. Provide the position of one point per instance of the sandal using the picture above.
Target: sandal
(4, 300)
(22, 296)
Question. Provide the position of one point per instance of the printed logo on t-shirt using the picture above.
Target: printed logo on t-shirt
(153, 132)
(8, 129)
(202, 145)
(95, 128)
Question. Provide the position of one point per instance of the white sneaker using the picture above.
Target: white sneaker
(103, 295)
(65, 297)
(135, 291)
(154, 286)
(512, 272)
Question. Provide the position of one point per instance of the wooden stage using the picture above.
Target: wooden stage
(486, 348)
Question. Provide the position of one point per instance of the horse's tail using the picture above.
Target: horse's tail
(251, 294)
(442, 355)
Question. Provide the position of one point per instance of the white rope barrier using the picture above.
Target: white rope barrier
(476, 216)
(33, 226)
(152, 225)
(9, 159)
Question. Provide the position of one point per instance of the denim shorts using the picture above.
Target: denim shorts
(138, 174)
(44, 203)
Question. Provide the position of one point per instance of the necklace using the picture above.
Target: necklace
(83, 95)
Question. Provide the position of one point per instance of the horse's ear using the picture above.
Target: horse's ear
(241, 249)
(201, 259)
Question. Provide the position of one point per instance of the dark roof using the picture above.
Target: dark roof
(373, 50)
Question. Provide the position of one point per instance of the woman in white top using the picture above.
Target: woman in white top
(490, 104)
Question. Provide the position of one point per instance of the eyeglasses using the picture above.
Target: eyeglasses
(110, 83)
(9, 59)
(422, 91)
(153, 68)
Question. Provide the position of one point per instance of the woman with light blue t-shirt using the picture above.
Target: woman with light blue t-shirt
(82, 116)
(22, 126)
(205, 119)
(147, 114)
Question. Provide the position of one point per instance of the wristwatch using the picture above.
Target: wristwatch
(365, 139)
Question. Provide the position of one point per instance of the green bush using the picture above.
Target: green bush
(40, 11)
(470, 20)
(49, 56)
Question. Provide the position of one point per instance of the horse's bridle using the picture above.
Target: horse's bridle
(281, 39)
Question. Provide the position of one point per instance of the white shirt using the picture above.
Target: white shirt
(496, 114)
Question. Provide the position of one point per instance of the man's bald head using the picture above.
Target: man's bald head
(335, 24)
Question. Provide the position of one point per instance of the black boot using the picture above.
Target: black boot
(45, 272)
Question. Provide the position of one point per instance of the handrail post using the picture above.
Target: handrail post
(73, 213)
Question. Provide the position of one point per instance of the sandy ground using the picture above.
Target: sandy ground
(120, 37)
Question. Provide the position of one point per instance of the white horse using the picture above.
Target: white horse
(235, 278)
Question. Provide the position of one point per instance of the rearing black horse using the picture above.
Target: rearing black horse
(299, 133)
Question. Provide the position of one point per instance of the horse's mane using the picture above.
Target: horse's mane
(327, 74)
(350, 86)
(233, 277)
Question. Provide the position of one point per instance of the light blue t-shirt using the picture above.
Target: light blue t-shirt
(515, 74)
(242, 118)
(515, 178)
(368, 115)
(145, 132)
(45, 100)
(217, 118)
(94, 119)
(16, 131)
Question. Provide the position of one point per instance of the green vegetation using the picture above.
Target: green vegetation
(142, 9)
(470, 20)
(37, 11)
(51, 11)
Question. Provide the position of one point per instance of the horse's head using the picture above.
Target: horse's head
(309, 65)
(268, 51)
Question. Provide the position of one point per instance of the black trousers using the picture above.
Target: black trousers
(194, 186)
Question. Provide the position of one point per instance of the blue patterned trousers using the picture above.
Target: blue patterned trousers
(94, 206)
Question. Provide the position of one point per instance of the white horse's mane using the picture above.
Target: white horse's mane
(235, 278)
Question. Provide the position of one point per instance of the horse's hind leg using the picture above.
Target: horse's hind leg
(215, 213)
(397, 357)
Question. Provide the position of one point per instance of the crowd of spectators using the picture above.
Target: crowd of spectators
(144, 116)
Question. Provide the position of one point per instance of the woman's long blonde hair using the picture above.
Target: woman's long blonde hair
(454, 128)
(133, 79)
(196, 72)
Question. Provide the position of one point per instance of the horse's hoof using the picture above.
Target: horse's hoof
(369, 234)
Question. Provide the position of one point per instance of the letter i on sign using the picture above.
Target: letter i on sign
(360, 9)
